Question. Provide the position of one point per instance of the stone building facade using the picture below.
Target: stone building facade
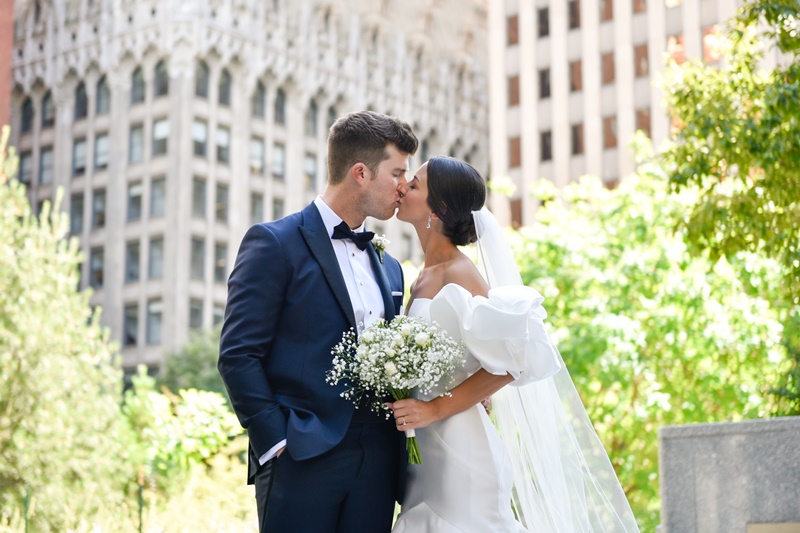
(172, 126)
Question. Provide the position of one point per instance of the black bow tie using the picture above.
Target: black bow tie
(361, 239)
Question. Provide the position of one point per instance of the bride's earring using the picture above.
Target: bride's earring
(429, 223)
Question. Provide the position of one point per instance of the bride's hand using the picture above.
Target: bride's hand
(413, 414)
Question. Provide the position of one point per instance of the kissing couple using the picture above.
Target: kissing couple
(321, 465)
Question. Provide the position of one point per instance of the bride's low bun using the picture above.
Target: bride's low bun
(455, 190)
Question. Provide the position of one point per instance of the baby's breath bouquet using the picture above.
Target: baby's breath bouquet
(392, 358)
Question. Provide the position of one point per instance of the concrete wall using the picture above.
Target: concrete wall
(722, 477)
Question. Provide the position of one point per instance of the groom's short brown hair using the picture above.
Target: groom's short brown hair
(362, 137)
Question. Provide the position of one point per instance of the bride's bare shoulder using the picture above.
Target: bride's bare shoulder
(464, 273)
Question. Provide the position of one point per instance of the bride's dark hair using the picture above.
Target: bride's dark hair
(455, 190)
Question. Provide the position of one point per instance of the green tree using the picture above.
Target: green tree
(650, 334)
(736, 137)
(62, 440)
(194, 365)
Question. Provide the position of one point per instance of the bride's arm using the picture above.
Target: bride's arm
(418, 413)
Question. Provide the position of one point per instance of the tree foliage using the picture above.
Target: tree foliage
(194, 365)
(651, 334)
(737, 137)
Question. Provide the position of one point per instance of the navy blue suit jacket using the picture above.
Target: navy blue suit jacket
(287, 307)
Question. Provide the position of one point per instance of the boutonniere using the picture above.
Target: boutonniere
(380, 242)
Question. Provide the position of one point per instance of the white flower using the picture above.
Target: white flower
(390, 352)
(398, 340)
(405, 329)
(380, 242)
(390, 368)
(421, 339)
(367, 336)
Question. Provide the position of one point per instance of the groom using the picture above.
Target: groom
(298, 283)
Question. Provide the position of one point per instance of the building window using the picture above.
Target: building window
(424, 149)
(160, 137)
(575, 76)
(577, 139)
(574, 8)
(607, 63)
(79, 157)
(81, 102)
(101, 151)
(198, 253)
(514, 152)
(675, 48)
(544, 83)
(278, 161)
(639, 6)
(712, 51)
(256, 208)
(46, 166)
(48, 111)
(221, 205)
(201, 79)
(199, 137)
(310, 171)
(161, 86)
(130, 328)
(312, 114)
(512, 30)
(606, 10)
(103, 102)
(199, 197)
(218, 314)
(223, 145)
(25, 171)
(137, 86)
(155, 258)
(543, 21)
(96, 262)
(76, 213)
(256, 155)
(332, 116)
(546, 145)
(134, 201)
(277, 208)
(643, 120)
(220, 262)
(27, 116)
(610, 131)
(136, 144)
(98, 208)
(258, 101)
(224, 92)
(641, 64)
(132, 261)
(513, 91)
(280, 108)
(154, 312)
(195, 313)
(158, 197)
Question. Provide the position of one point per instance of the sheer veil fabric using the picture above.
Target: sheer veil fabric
(563, 479)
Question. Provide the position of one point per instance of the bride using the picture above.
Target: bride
(540, 467)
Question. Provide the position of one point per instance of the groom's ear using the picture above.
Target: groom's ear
(358, 173)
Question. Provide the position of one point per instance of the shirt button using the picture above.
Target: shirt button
(370, 312)
(361, 283)
(353, 254)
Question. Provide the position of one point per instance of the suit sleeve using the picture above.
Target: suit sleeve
(255, 298)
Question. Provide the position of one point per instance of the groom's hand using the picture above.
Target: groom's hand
(280, 452)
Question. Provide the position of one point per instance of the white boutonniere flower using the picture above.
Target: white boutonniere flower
(380, 242)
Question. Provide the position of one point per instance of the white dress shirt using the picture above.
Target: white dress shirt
(356, 268)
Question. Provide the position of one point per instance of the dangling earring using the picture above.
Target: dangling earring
(429, 223)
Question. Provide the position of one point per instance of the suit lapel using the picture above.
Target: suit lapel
(319, 242)
(383, 283)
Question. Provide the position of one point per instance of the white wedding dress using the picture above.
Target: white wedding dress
(465, 481)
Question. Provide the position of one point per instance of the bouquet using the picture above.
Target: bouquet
(391, 359)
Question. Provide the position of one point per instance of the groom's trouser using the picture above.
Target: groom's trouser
(351, 488)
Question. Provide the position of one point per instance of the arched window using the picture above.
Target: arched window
(332, 115)
(81, 102)
(257, 105)
(311, 119)
(137, 86)
(27, 116)
(280, 107)
(201, 79)
(161, 86)
(103, 104)
(224, 95)
(48, 111)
